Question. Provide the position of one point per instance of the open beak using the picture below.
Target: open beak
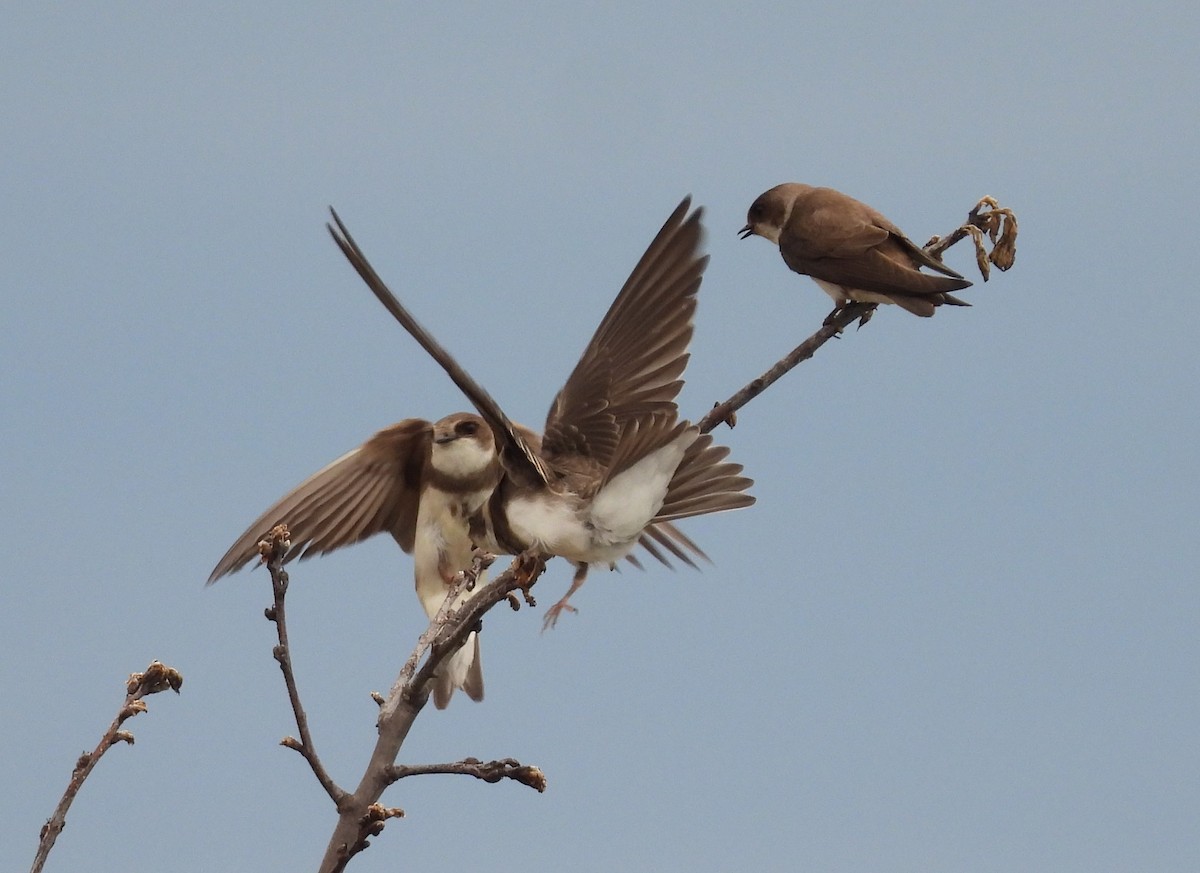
(745, 232)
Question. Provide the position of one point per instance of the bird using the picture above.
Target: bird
(850, 250)
(614, 456)
(419, 481)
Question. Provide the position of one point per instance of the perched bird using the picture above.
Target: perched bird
(851, 250)
(614, 456)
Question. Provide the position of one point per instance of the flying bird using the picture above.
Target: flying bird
(851, 250)
(614, 457)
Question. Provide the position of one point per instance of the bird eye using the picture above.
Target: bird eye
(756, 211)
(467, 428)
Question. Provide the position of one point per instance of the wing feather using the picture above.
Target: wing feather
(373, 489)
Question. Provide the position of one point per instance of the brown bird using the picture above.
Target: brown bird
(851, 250)
(418, 481)
(615, 457)
(421, 482)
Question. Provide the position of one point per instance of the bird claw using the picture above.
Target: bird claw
(867, 313)
(480, 561)
(832, 316)
(553, 613)
(863, 310)
(729, 418)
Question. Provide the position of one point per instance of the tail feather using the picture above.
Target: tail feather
(462, 670)
(922, 306)
(676, 542)
(704, 482)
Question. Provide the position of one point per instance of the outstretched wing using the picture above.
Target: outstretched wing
(519, 458)
(630, 370)
(373, 489)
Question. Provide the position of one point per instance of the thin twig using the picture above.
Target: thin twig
(491, 771)
(724, 412)
(988, 216)
(158, 677)
(274, 548)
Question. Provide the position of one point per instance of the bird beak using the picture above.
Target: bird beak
(745, 232)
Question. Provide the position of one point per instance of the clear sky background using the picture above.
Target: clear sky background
(958, 631)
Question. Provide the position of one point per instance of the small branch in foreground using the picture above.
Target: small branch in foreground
(158, 677)
(491, 771)
(273, 549)
(986, 217)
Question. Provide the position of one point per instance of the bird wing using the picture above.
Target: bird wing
(372, 489)
(519, 458)
(825, 223)
(835, 238)
(631, 367)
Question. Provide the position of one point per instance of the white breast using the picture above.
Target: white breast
(605, 530)
(461, 458)
(442, 541)
(840, 293)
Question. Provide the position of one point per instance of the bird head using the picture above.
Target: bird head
(463, 445)
(770, 211)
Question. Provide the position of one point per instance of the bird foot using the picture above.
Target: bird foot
(867, 313)
(553, 613)
(863, 311)
(527, 566)
(480, 561)
(832, 316)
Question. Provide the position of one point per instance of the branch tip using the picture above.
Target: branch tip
(155, 678)
(274, 548)
(491, 771)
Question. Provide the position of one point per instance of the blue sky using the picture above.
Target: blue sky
(958, 629)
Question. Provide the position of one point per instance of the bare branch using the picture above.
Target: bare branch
(409, 694)
(369, 824)
(274, 548)
(464, 580)
(492, 771)
(725, 412)
(157, 677)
